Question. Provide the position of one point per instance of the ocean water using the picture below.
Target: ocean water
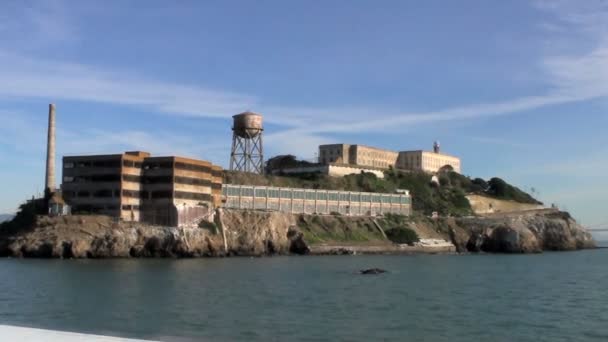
(548, 297)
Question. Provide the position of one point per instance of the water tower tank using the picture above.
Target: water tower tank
(247, 153)
(247, 125)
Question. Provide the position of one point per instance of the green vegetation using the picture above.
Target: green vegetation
(336, 229)
(498, 188)
(284, 162)
(397, 228)
(210, 226)
(402, 235)
(24, 219)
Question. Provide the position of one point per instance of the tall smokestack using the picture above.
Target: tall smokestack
(50, 151)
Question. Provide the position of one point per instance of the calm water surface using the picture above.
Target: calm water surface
(548, 297)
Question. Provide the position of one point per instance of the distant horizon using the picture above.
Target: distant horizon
(525, 100)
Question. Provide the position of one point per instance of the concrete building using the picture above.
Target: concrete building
(371, 157)
(178, 191)
(330, 170)
(359, 155)
(134, 186)
(427, 161)
(316, 201)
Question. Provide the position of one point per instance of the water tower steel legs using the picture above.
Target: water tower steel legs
(247, 154)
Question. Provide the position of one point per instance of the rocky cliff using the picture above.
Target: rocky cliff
(228, 233)
(257, 233)
(523, 232)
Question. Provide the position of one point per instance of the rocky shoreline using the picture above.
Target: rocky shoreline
(258, 233)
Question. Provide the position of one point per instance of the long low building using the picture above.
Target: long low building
(312, 201)
(134, 186)
(334, 170)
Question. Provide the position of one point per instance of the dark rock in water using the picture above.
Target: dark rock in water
(373, 271)
(297, 245)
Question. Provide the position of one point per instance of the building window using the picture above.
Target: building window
(83, 194)
(103, 193)
(130, 207)
(131, 178)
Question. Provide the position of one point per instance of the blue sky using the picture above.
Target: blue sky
(518, 89)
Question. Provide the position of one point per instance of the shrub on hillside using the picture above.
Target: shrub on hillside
(500, 189)
(402, 235)
(210, 226)
(24, 219)
(480, 185)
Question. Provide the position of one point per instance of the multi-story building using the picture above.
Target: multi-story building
(133, 186)
(359, 155)
(334, 154)
(104, 184)
(177, 191)
(427, 161)
(371, 157)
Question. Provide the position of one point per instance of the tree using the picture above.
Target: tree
(446, 169)
(498, 187)
(481, 183)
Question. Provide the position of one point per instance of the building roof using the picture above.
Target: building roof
(144, 156)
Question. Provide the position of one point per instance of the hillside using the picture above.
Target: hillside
(447, 198)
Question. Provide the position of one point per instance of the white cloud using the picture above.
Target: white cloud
(573, 77)
(23, 78)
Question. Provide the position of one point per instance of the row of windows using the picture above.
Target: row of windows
(192, 167)
(131, 193)
(170, 180)
(104, 193)
(192, 181)
(312, 195)
(92, 163)
(88, 208)
(146, 165)
(168, 194)
(137, 179)
(378, 155)
(131, 178)
(375, 163)
(157, 180)
(130, 207)
(131, 163)
(157, 194)
(192, 196)
(92, 178)
(158, 165)
(336, 152)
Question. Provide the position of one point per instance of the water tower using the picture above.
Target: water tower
(437, 147)
(247, 150)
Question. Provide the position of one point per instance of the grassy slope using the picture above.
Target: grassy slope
(338, 229)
